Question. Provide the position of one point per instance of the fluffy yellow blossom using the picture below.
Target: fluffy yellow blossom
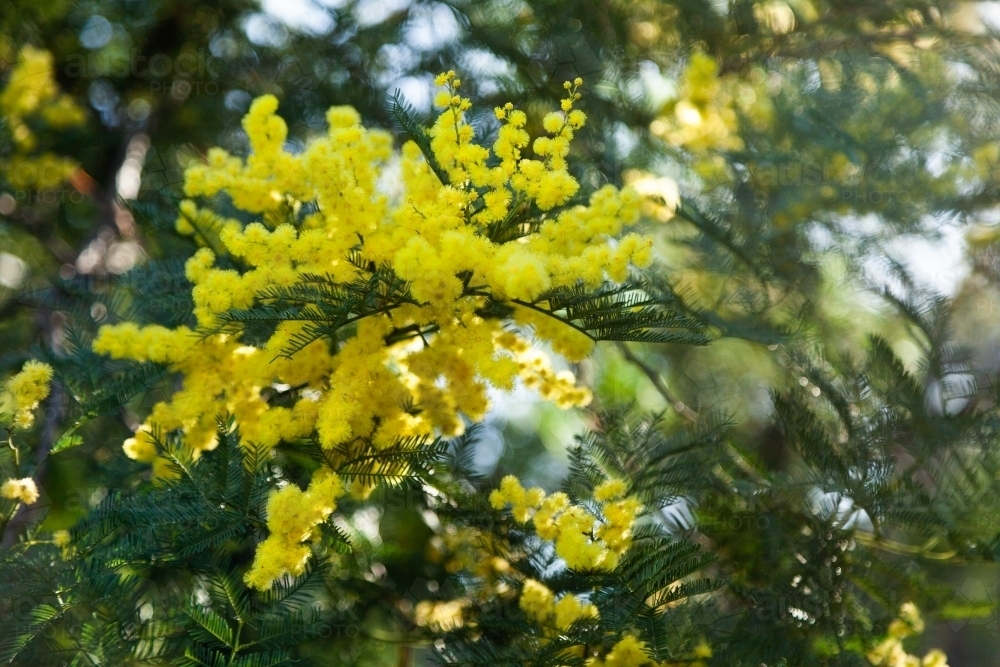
(583, 540)
(628, 652)
(417, 357)
(524, 501)
(704, 118)
(31, 385)
(141, 447)
(29, 388)
(536, 371)
(292, 515)
(539, 604)
(570, 610)
(537, 601)
(613, 489)
(908, 623)
(63, 540)
(934, 658)
(31, 93)
(426, 239)
(23, 490)
(440, 616)
(890, 652)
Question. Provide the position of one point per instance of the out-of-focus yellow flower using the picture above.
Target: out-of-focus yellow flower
(29, 96)
(583, 540)
(440, 616)
(23, 490)
(29, 388)
(704, 118)
(890, 652)
(628, 652)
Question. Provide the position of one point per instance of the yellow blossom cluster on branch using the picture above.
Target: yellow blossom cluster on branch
(539, 604)
(628, 652)
(221, 377)
(583, 540)
(31, 95)
(22, 490)
(890, 652)
(414, 354)
(292, 516)
(26, 390)
(426, 239)
(704, 118)
(29, 388)
(555, 617)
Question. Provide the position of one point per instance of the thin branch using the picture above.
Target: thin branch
(551, 314)
(659, 383)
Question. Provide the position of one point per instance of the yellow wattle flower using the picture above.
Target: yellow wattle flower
(23, 490)
(443, 239)
(29, 388)
(581, 539)
(31, 93)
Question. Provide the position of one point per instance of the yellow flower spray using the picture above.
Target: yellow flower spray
(27, 389)
(31, 93)
(890, 652)
(584, 542)
(413, 369)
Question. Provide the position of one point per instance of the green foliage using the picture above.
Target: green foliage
(155, 577)
(324, 304)
(632, 311)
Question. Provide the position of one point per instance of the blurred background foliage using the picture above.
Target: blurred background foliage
(820, 171)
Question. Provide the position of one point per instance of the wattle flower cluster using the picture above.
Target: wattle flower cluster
(22, 490)
(292, 516)
(703, 118)
(890, 652)
(540, 605)
(556, 617)
(346, 207)
(26, 390)
(628, 652)
(582, 539)
(31, 94)
(29, 388)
